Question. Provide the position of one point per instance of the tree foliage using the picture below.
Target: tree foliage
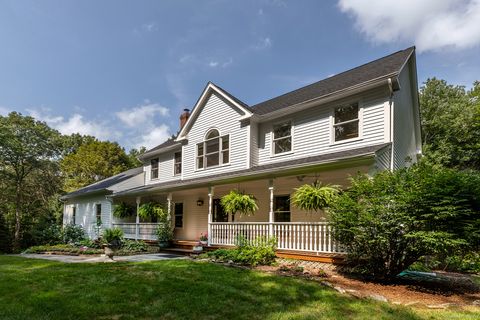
(387, 222)
(450, 118)
(28, 150)
(92, 162)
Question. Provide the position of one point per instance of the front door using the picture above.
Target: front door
(219, 214)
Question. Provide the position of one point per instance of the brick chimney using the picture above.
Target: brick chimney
(184, 117)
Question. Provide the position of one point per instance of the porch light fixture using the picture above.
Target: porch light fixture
(199, 202)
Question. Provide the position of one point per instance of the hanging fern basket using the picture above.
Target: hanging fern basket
(151, 210)
(123, 210)
(315, 196)
(236, 202)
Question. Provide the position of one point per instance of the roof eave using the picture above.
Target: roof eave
(377, 82)
(147, 155)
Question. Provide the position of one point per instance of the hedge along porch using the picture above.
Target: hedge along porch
(198, 210)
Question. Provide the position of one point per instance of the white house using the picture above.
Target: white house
(362, 120)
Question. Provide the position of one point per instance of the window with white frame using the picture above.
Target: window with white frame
(98, 213)
(346, 124)
(282, 138)
(214, 151)
(177, 163)
(74, 214)
(154, 169)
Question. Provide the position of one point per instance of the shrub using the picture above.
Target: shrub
(62, 248)
(113, 236)
(51, 234)
(133, 245)
(72, 233)
(388, 222)
(260, 252)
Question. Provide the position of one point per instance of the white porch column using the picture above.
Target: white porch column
(137, 219)
(270, 213)
(169, 208)
(210, 209)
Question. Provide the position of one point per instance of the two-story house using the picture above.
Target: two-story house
(362, 120)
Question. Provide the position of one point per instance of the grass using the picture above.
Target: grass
(177, 289)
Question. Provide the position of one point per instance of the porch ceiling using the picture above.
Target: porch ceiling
(321, 163)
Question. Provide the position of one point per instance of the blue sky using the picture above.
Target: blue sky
(124, 70)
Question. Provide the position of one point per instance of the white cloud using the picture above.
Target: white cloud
(150, 27)
(213, 64)
(263, 43)
(154, 137)
(4, 111)
(224, 64)
(429, 24)
(141, 115)
(76, 124)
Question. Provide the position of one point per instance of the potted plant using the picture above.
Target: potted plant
(235, 201)
(198, 248)
(112, 241)
(315, 196)
(152, 211)
(164, 234)
(204, 238)
(123, 210)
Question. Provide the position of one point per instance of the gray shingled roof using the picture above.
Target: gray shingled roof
(253, 172)
(388, 65)
(382, 67)
(104, 184)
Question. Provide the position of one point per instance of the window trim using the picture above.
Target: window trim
(220, 150)
(74, 214)
(292, 132)
(359, 102)
(181, 164)
(158, 169)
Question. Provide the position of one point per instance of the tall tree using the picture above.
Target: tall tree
(28, 149)
(451, 124)
(133, 154)
(92, 162)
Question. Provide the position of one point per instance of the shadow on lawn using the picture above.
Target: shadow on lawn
(175, 289)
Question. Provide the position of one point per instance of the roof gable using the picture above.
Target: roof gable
(202, 101)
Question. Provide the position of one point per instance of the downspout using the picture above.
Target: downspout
(391, 109)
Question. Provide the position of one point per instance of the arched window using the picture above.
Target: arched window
(213, 151)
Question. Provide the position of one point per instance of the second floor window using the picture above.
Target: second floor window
(177, 163)
(214, 151)
(154, 169)
(282, 137)
(346, 122)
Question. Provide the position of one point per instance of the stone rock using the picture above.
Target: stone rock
(378, 297)
(341, 290)
(230, 262)
(476, 303)
(441, 306)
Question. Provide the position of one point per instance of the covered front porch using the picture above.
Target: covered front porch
(197, 210)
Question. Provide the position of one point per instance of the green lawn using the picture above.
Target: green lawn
(177, 289)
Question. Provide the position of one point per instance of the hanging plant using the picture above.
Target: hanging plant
(235, 201)
(151, 210)
(315, 196)
(123, 210)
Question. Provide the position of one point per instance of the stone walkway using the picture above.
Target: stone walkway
(95, 259)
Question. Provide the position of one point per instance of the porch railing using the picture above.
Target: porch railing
(298, 236)
(138, 231)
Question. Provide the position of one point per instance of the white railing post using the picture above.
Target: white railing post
(210, 207)
(270, 214)
(137, 220)
(169, 209)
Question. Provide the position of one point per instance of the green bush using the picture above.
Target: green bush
(113, 236)
(51, 234)
(62, 248)
(134, 246)
(95, 244)
(260, 252)
(388, 222)
(72, 233)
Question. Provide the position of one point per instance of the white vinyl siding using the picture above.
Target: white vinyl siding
(85, 214)
(404, 143)
(217, 114)
(313, 130)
